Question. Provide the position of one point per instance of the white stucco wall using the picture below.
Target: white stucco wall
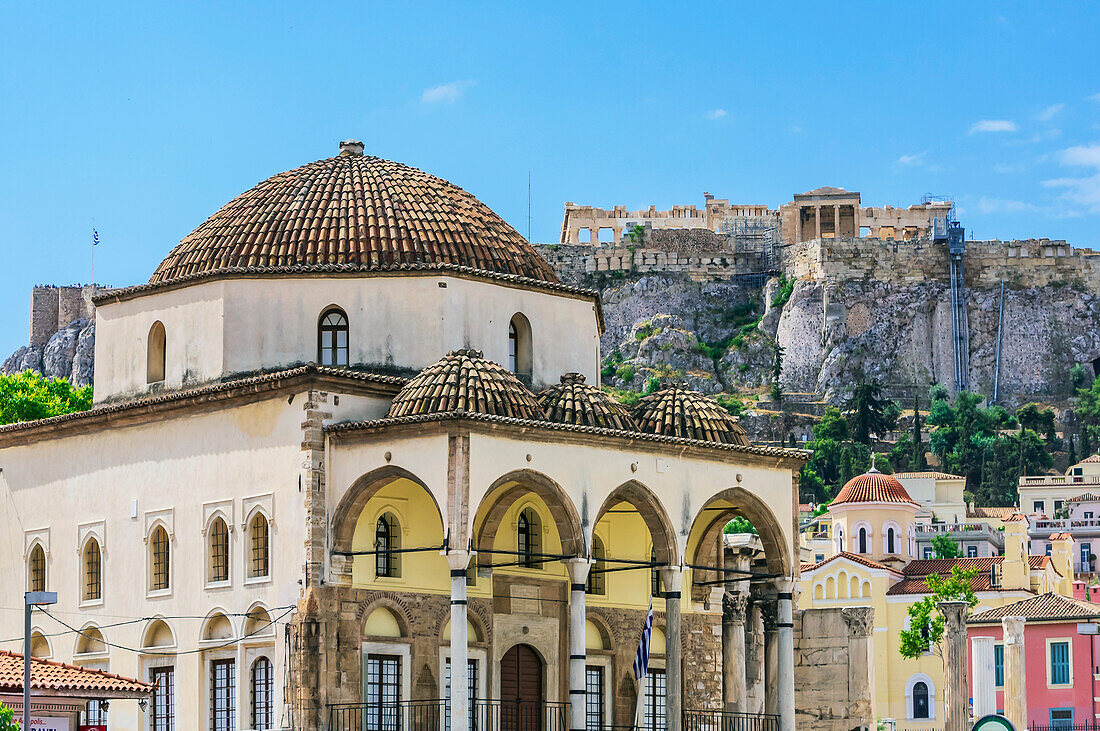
(407, 321)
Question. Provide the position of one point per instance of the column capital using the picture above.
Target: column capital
(734, 607)
(783, 585)
(1013, 630)
(459, 560)
(578, 568)
(769, 612)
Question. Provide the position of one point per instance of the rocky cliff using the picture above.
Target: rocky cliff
(69, 353)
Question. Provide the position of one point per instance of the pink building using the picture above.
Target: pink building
(1061, 657)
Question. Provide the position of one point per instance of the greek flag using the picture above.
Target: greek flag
(641, 662)
(95, 237)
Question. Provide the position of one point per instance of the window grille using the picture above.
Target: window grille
(37, 572)
(92, 564)
(260, 564)
(223, 695)
(263, 685)
(160, 559)
(219, 551)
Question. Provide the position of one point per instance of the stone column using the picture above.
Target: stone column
(817, 219)
(460, 667)
(855, 221)
(734, 686)
(674, 684)
(982, 675)
(785, 643)
(1015, 672)
(955, 691)
(770, 618)
(754, 670)
(578, 576)
(836, 221)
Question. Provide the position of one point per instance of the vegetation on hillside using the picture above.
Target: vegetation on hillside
(29, 395)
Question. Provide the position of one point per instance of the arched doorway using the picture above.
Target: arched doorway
(521, 689)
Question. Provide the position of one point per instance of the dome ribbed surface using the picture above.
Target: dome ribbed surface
(872, 487)
(679, 412)
(575, 402)
(464, 380)
(358, 211)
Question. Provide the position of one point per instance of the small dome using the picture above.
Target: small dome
(872, 487)
(575, 402)
(678, 412)
(357, 213)
(465, 381)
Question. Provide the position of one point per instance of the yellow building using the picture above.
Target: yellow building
(866, 572)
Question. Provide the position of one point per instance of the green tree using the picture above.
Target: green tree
(1079, 377)
(28, 396)
(1088, 414)
(945, 546)
(7, 722)
(739, 525)
(777, 371)
(926, 621)
(1072, 452)
(869, 413)
(917, 462)
(832, 426)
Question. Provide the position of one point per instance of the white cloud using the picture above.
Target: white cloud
(1003, 169)
(916, 159)
(716, 113)
(796, 130)
(1048, 114)
(1081, 192)
(445, 93)
(1093, 98)
(993, 125)
(1000, 205)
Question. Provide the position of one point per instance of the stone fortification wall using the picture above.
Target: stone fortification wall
(54, 308)
(833, 667)
(62, 334)
(574, 262)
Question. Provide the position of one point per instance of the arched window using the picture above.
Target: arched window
(387, 542)
(890, 540)
(259, 563)
(839, 539)
(263, 703)
(36, 569)
(863, 540)
(527, 539)
(920, 700)
(519, 346)
(595, 577)
(654, 574)
(92, 564)
(159, 559)
(332, 338)
(219, 550)
(155, 354)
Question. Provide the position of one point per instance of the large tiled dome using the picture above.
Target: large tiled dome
(463, 380)
(354, 211)
(575, 402)
(872, 487)
(679, 412)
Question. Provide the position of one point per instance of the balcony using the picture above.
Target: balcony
(1065, 525)
(974, 530)
(1057, 480)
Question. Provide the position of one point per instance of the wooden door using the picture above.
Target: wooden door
(521, 690)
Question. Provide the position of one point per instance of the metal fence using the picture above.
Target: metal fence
(695, 720)
(434, 715)
(1065, 726)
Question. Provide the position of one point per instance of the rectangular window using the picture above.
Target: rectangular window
(383, 692)
(162, 711)
(471, 691)
(928, 552)
(1059, 663)
(95, 713)
(1038, 506)
(1057, 505)
(1088, 515)
(971, 551)
(1050, 547)
(655, 701)
(223, 695)
(594, 714)
(999, 665)
(1061, 718)
(1086, 562)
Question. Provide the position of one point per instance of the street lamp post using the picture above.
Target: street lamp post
(31, 599)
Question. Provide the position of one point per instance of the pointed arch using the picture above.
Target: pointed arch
(741, 502)
(520, 351)
(652, 512)
(345, 517)
(507, 489)
(155, 353)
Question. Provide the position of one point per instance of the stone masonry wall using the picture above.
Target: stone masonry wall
(833, 668)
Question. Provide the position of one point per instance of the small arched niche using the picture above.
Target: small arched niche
(258, 623)
(471, 632)
(594, 637)
(90, 642)
(40, 646)
(155, 353)
(382, 623)
(218, 627)
(158, 635)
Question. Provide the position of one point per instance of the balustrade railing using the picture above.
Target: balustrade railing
(434, 715)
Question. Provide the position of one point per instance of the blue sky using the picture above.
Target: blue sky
(142, 121)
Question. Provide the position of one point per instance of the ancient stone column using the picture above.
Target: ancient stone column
(861, 662)
(578, 576)
(460, 662)
(785, 642)
(981, 674)
(1015, 672)
(955, 690)
(734, 686)
(836, 221)
(754, 666)
(817, 219)
(770, 616)
(674, 684)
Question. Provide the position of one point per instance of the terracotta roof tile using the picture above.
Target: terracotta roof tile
(678, 412)
(464, 380)
(1060, 537)
(916, 572)
(1088, 497)
(574, 402)
(354, 210)
(872, 487)
(980, 512)
(857, 558)
(1043, 607)
(62, 678)
(1092, 459)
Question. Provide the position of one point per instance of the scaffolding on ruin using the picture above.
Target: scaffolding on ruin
(757, 238)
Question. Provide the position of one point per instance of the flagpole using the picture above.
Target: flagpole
(639, 712)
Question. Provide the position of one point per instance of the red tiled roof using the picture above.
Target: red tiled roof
(1092, 459)
(916, 573)
(62, 679)
(1088, 497)
(872, 487)
(675, 411)
(1060, 537)
(354, 210)
(575, 402)
(464, 380)
(1016, 518)
(1043, 607)
(855, 557)
(980, 512)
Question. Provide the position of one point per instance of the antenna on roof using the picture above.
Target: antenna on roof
(528, 205)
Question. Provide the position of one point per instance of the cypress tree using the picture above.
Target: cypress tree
(917, 463)
(1072, 452)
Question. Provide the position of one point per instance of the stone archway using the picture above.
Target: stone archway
(733, 502)
(515, 485)
(346, 515)
(652, 512)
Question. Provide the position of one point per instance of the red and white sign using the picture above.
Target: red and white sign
(44, 723)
